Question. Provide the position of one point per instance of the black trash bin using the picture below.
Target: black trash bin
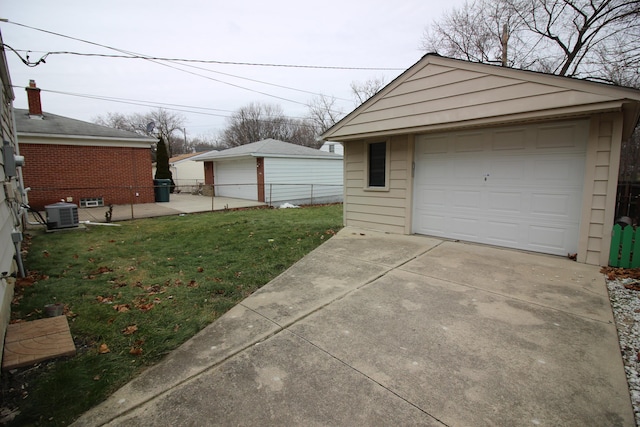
(162, 188)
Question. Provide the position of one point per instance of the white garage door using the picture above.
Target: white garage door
(236, 178)
(519, 187)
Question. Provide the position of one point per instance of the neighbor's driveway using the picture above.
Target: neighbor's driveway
(376, 329)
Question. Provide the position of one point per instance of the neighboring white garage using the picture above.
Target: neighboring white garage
(274, 172)
(519, 187)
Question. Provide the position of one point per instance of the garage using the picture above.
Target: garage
(236, 178)
(489, 154)
(518, 187)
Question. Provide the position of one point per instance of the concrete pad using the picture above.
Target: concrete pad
(283, 381)
(467, 356)
(337, 267)
(28, 343)
(313, 282)
(233, 332)
(551, 281)
(395, 330)
(391, 250)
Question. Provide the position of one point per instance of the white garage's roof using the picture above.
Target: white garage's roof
(440, 93)
(269, 148)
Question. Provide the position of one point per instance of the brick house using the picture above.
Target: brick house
(81, 162)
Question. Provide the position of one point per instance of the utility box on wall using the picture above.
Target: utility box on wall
(11, 161)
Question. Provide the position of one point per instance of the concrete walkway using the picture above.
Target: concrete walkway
(177, 204)
(377, 329)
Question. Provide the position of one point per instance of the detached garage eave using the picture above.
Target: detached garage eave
(54, 139)
(342, 135)
(271, 156)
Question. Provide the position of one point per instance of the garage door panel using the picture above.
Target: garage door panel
(508, 202)
(515, 190)
(507, 169)
(503, 233)
(465, 228)
(551, 204)
(563, 169)
(546, 238)
(467, 168)
(509, 140)
(556, 137)
(469, 143)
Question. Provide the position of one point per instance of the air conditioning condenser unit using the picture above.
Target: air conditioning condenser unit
(61, 215)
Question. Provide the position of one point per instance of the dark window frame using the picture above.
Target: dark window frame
(377, 165)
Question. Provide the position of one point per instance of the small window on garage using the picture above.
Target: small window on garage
(377, 165)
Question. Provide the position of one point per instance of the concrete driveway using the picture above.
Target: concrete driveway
(376, 329)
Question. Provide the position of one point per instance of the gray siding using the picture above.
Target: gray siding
(10, 201)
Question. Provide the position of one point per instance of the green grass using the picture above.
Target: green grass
(166, 278)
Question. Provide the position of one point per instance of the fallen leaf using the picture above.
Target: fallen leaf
(145, 307)
(136, 351)
(176, 328)
(96, 378)
(121, 308)
(131, 268)
(200, 269)
(129, 329)
(46, 254)
(103, 349)
(192, 284)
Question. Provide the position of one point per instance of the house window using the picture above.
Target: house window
(332, 148)
(377, 164)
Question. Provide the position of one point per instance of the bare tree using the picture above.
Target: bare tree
(167, 124)
(479, 31)
(596, 39)
(256, 122)
(323, 113)
(362, 91)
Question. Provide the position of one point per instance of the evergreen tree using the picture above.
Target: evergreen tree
(162, 163)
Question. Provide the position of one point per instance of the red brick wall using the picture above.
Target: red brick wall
(56, 172)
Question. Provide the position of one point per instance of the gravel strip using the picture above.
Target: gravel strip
(626, 310)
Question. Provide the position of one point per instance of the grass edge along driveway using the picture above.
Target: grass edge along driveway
(134, 293)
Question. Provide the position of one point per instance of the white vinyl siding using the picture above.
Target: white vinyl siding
(518, 187)
(236, 178)
(303, 181)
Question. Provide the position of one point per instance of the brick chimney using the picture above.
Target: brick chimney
(33, 96)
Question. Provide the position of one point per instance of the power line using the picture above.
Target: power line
(151, 104)
(46, 54)
(208, 61)
(134, 55)
(148, 58)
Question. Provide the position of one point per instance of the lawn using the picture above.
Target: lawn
(135, 292)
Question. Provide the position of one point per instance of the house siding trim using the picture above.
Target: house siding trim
(601, 179)
(31, 138)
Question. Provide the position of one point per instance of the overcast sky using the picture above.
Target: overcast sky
(346, 33)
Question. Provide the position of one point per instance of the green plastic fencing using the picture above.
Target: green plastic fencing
(625, 247)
